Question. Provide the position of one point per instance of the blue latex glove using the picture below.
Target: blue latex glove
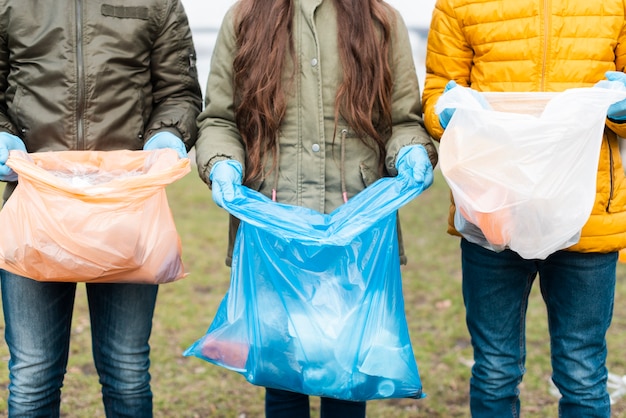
(617, 111)
(446, 114)
(224, 174)
(413, 159)
(8, 142)
(166, 140)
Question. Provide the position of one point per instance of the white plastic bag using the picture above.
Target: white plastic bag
(523, 173)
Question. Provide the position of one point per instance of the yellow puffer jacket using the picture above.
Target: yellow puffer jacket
(536, 45)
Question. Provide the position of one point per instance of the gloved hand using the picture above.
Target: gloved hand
(413, 159)
(166, 140)
(446, 114)
(8, 142)
(224, 174)
(617, 111)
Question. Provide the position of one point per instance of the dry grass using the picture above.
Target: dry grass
(189, 387)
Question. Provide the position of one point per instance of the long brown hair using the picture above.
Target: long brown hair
(264, 38)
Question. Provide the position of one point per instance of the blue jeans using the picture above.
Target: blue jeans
(38, 320)
(284, 404)
(578, 290)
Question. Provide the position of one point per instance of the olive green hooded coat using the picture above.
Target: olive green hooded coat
(310, 167)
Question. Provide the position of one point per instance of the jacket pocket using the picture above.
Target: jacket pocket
(18, 117)
(125, 12)
(368, 174)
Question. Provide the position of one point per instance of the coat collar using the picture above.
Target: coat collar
(309, 6)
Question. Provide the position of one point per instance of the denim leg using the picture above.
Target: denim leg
(285, 404)
(335, 408)
(121, 323)
(38, 320)
(496, 287)
(579, 289)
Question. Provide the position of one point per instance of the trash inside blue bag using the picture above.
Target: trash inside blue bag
(315, 304)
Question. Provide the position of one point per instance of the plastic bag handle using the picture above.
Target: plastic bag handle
(383, 198)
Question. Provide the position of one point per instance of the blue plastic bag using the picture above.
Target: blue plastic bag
(315, 304)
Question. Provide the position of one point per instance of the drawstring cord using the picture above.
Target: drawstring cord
(275, 188)
(344, 192)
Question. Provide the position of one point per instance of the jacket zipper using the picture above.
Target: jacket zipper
(546, 28)
(611, 162)
(80, 81)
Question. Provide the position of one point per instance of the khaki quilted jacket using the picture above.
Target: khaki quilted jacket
(96, 75)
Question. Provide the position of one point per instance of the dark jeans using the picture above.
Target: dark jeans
(578, 291)
(284, 404)
(38, 320)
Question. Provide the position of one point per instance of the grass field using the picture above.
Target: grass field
(189, 387)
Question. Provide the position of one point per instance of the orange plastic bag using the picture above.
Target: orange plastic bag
(92, 216)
